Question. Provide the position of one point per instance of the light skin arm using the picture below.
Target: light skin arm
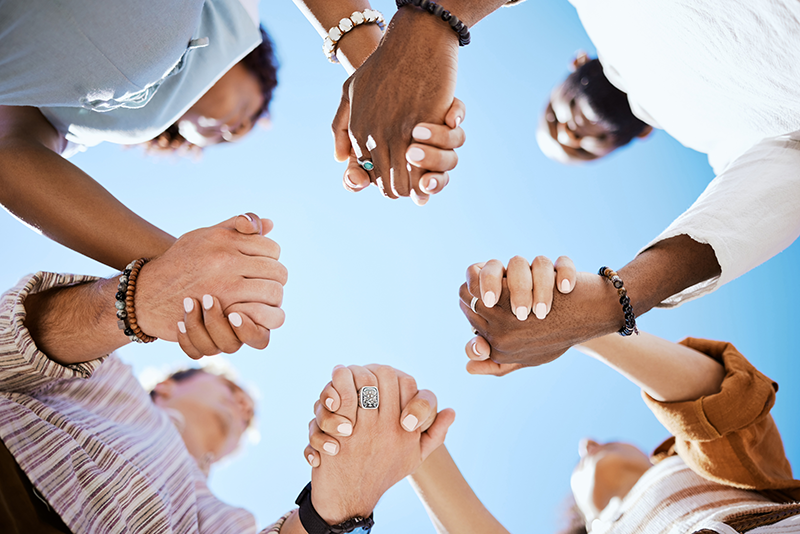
(52, 195)
(668, 372)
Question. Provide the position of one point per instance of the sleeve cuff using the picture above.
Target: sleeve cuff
(745, 397)
(23, 367)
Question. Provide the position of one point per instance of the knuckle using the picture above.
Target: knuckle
(542, 262)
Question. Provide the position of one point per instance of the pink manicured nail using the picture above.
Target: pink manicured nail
(188, 304)
(541, 310)
(235, 319)
(458, 121)
(208, 301)
(565, 285)
(410, 423)
(248, 217)
(415, 154)
(329, 447)
(329, 403)
(310, 459)
(345, 429)
(475, 348)
(522, 313)
(489, 299)
(182, 327)
(432, 184)
(421, 133)
(349, 181)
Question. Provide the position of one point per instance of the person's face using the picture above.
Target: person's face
(571, 129)
(226, 112)
(604, 472)
(216, 411)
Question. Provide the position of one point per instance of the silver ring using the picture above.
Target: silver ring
(366, 164)
(368, 398)
(473, 303)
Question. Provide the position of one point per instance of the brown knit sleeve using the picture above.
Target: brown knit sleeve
(730, 437)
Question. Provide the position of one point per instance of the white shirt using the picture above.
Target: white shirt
(723, 78)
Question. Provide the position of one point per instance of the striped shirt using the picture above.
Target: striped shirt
(93, 444)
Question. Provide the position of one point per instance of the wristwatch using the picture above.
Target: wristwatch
(314, 524)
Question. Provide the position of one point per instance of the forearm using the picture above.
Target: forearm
(55, 197)
(668, 372)
(449, 500)
(77, 323)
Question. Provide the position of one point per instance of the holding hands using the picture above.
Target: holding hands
(358, 453)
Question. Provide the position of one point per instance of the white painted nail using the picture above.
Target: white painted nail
(415, 154)
(458, 121)
(235, 319)
(182, 327)
(541, 310)
(432, 185)
(565, 285)
(410, 423)
(489, 299)
(248, 217)
(522, 313)
(188, 304)
(345, 429)
(329, 403)
(208, 301)
(329, 447)
(349, 181)
(475, 348)
(310, 459)
(421, 133)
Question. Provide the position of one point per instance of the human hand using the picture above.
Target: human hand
(436, 143)
(409, 79)
(375, 448)
(235, 265)
(507, 341)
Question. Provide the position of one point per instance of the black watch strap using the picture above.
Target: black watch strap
(314, 524)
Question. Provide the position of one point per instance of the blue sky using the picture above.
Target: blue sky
(373, 280)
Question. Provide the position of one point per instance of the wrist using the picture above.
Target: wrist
(418, 27)
(359, 43)
(334, 511)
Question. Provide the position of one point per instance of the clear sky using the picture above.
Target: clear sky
(374, 280)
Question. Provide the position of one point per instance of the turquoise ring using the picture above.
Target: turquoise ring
(366, 164)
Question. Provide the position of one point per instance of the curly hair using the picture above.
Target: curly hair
(262, 63)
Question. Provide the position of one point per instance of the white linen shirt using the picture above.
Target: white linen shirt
(723, 78)
(92, 442)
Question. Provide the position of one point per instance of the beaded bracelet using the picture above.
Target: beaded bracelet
(126, 311)
(436, 10)
(624, 299)
(331, 42)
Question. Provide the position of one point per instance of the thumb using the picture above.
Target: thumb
(248, 224)
(433, 438)
(340, 127)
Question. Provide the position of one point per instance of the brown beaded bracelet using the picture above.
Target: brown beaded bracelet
(461, 29)
(126, 309)
(630, 320)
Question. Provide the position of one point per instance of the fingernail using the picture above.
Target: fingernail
(489, 299)
(458, 121)
(415, 154)
(541, 310)
(565, 285)
(182, 327)
(345, 429)
(421, 133)
(208, 301)
(410, 423)
(349, 181)
(188, 304)
(522, 313)
(330, 448)
(235, 319)
(329, 403)
(248, 217)
(475, 348)
(432, 184)
(339, 366)
(418, 200)
(310, 459)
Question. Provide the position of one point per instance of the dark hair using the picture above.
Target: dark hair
(572, 519)
(609, 103)
(179, 376)
(262, 63)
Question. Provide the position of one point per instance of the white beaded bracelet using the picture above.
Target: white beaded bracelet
(331, 43)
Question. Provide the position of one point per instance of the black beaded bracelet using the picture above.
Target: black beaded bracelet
(126, 312)
(630, 320)
(436, 10)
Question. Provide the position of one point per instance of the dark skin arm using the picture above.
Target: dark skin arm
(592, 309)
(54, 196)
